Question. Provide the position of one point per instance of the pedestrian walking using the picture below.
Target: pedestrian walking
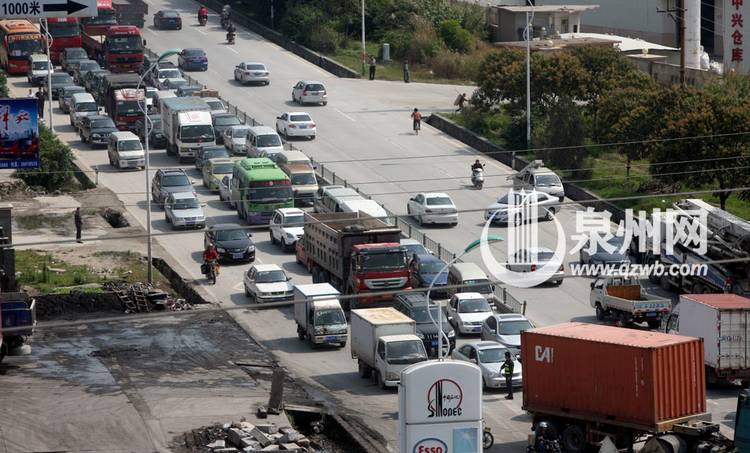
(507, 369)
(416, 117)
(460, 101)
(40, 102)
(407, 77)
(372, 68)
(79, 224)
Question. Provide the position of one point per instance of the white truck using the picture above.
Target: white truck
(723, 321)
(625, 300)
(319, 316)
(187, 126)
(384, 343)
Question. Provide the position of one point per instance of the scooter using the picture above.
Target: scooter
(477, 178)
(224, 20)
(230, 37)
(202, 20)
(488, 440)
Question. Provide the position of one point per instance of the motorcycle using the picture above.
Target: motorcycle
(224, 20)
(230, 37)
(488, 440)
(210, 271)
(477, 178)
(202, 20)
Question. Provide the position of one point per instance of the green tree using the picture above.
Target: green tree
(564, 127)
(455, 36)
(56, 163)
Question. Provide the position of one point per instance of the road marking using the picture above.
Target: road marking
(345, 115)
(233, 50)
(199, 31)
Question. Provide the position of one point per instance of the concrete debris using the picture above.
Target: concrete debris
(140, 297)
(217, 444)
(268, 428)
(247, 437)
(262, 412)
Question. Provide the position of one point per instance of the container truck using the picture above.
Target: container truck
(722, 321)
(187, 126)
(17, 312)
(117, 47)
(588, 382)
(357, 254)
(384, 343)
(625, 300)
(318, 315)
(130, 12)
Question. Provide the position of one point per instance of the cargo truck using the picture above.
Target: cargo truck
(588, 382)
(126, 107)
(625, 300)
(318, 315)
(357, 254)
(187, 126)
(116, 47)
(384, 343)
(722, 321)
(17, 312)
(130, 12)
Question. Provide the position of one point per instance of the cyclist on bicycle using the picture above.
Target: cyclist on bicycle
(416, 116)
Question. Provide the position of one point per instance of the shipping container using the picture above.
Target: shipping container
(639, 379)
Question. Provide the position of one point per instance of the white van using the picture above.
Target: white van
(369, 207)
(39, 66)
(263, 138)
(81, 104)
(330, 199)
(536, 176)
(470, 274)
(292, 157)
(125, 150)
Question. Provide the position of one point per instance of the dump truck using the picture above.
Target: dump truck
(187, 126)
(722, 320)
(17, 321)
(624, 300)
(131, 12)
(318, 315)
(384, 343)
(588, 382)
(116, 47)
(357, 254)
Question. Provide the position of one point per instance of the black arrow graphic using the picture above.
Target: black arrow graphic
(70, 7)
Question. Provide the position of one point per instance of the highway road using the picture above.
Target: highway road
(363, 120)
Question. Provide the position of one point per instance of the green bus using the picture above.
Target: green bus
(259, 187)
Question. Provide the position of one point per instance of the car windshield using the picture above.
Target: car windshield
(547, 180)
(75, 54)
(40, 65)
(513, 327)
(439, 201)
(405, 352)
(88, 66)
(415, 249)
(264, 141)
(432, 267)
(170, 14)
(175, 180)
(329, 317)
(271, 193)
(198, 133)
(300, 118)
(517, 198)
(477, 286)
(215, 152)
(314, 87)
(186, 203)
(270, 277)
(473, 306)
(226, 120)
(231, 235)
(223, 169)
(217, 105)
(87, 107)
(64, 29)
(383, 261)
(492, 355)
(60, 79)
(70, 92)
(102, 124)
(124, 43)
(301, 179)
(25, 46)
(104, 17)
(194, 52)
(294, 220)
(169, 74)
(421, 316)
(256, 67)
(130, 145)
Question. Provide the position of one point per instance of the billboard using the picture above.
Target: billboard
(19, 133)
(735, 46)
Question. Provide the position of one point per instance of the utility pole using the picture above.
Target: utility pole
(678, 15)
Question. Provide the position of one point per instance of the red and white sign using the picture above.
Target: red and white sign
(736, 36)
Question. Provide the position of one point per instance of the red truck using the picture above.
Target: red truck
(123, 107)
(118, 48)
(65, 32)
(357, 254)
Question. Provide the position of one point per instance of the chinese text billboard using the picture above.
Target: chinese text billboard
(736, 58)
(19, 133)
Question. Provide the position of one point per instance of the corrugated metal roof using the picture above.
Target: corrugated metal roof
(720, 301)
(611, 335)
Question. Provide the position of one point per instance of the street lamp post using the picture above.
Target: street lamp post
(474, 244)
(364, 52)
(48, 42)
(529, 19)
(147, 134)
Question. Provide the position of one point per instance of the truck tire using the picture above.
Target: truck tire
(379, 379)
(3, 351)
(600, 313)
(573, 439)
(300, 333)
(363, 369)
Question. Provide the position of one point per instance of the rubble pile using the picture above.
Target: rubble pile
(140, 297)
(246, 437)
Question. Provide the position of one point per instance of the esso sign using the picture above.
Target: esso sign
(431, 445)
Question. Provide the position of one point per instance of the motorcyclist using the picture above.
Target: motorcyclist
(202, 12)
(477, 165)
(230, 33)
(225, 12)
(210, 255)
(545, 441)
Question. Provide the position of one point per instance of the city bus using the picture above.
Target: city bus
(259, 187)
(18, 40)
(65, 32)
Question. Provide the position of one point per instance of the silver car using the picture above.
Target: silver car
(235, 138)
(225, 189)
(309, 92)
(267, 283)
(515, 207)
(533, 259)
(63, 99)
(251, 72)
(506, 329)
(489, 356)
(183, 210)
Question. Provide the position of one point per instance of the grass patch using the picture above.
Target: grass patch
(47, 273)
(51, 221)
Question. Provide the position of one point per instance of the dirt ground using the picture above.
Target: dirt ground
(134, 386)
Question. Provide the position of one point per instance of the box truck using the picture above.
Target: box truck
(187, 126)
(318, 315)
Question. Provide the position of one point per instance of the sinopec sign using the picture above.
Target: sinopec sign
(444, 399)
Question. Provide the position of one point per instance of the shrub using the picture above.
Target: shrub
(325, 39)
(300, 21)
(56, 169)
(453, 65)
(3, 85)
(456, 37)
(418, 43)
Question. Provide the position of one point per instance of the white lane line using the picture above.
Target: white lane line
(199, 31)
(346, 116)
(233, 50)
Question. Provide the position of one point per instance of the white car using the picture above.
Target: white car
(150, 96)
(309, 92)
(252, 72)
(414, 247)
(516, 210)
(467, 312)
(183, 210)
(225, 190)
(489, 356)
(533, 258)
(506, 329)
(235, 138)
(286, 227)
(171, 83)
(215, 105)
(267, 283)
(295, 124)
(433, 208)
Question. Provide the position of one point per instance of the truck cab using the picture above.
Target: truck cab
(319, 316)
(127, 107)
(378, 266)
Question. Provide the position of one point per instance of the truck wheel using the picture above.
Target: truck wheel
(573, 439)
(600, 313)
(698, 288)
(380, 380)
(364, 369)
(300, 333)
(3, 351)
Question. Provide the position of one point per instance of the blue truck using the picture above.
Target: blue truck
(17, 322)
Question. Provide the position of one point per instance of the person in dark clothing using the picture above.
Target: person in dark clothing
(407, 77)
(507, 369)
(40, 102)
(79, 224)
(372, 68)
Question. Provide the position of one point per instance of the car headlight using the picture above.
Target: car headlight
(96, 136)
(290, 236)
(318, 330)
(251, 248)
(221, 250)
(391, 376)
(451, 333)
(466, 323)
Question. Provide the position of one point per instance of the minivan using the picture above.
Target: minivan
(369, 207)
(263, 138)
(125, 150)
(535, 176)
(416, 306)
(292, 157)
(81, 104)
(474, 277)
(304, 183)
(38, 69)
(330, 199)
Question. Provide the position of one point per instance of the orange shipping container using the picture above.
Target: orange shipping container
(625, 376)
